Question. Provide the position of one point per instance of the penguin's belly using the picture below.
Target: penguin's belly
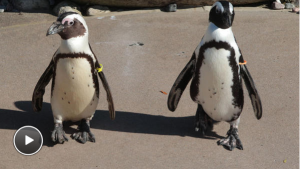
(74, 95)
(215, 89)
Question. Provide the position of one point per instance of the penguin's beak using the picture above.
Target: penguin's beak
(56, 27)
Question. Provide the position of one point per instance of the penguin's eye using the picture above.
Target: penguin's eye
(71, 23)
(217, 10)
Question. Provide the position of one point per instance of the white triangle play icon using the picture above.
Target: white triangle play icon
(28, 140)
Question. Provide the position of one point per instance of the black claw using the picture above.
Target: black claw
(232, 140)
(58, 134)
(84, 133)
(92, 137)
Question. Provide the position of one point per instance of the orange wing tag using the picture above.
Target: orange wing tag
(245, 62)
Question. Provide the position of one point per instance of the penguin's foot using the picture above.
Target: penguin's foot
(232, 140)
(84, 133)
(203, 125)
(58, 134)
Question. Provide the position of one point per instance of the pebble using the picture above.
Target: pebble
(2, 8)
(138, 44)
(277, 6)
(66, 6)
(289, 6)
(171, 8)
(97, 10)
(113, 18)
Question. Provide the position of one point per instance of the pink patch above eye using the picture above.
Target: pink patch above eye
(67, 19)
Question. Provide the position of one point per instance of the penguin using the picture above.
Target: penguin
(217, 68)
(74, 70)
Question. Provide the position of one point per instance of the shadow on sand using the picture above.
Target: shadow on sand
(124, 122)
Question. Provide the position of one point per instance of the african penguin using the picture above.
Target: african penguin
(217, 69)
(74, 71)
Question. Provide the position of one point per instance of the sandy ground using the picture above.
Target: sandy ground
(145, 133)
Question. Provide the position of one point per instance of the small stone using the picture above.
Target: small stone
(289, 6)
(66, 6)
(113, 18)
(140, 44)
(97, 10)
(170, 8)
(295, 9)
(277, 6)
(2, 8)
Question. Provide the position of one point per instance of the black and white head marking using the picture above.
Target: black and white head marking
(68, 25)
(222, 14)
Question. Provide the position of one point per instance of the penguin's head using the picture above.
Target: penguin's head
(69, 25)
(222, 14)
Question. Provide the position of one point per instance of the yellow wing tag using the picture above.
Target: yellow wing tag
(100, 69)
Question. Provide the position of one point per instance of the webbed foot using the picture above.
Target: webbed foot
(58, 134)
(84, 133)
(232, 140)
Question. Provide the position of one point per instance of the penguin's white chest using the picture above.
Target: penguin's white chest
(215, 89)
(74, 94)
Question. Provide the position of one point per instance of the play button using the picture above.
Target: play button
(28, 140)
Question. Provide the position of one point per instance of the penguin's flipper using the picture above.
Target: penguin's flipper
(39, 90)
(111, 107)
(253, 94)
(110, 101)
(180, 84)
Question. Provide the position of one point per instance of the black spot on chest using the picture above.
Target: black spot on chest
(75, 56)
(236, 88)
